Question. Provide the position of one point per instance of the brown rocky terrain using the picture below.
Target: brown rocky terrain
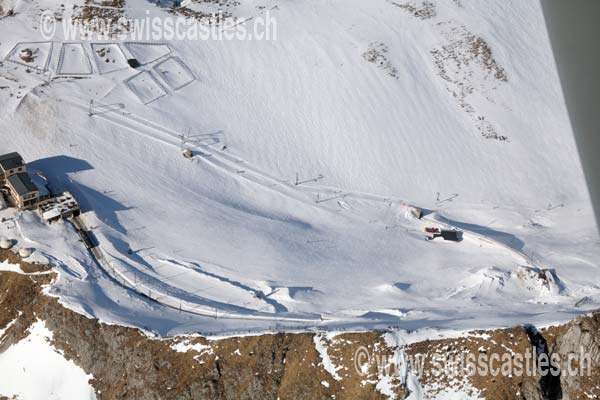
(129, 364)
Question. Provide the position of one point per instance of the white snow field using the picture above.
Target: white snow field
(108, 57)
(147, 52)
(73, 60)
(146, 87)
(174, 72)
(455, 108)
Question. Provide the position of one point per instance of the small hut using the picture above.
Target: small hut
(452, 235)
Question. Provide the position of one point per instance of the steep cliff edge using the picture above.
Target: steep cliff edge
(127, 363)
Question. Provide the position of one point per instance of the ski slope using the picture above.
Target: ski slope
(308, 153)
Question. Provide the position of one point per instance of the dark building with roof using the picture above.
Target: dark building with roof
(11, 163)
(16, 181)
(22, 189)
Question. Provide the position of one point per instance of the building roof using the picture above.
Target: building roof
(51, 214)
(40, 182)
(10, 161)
(22, 183)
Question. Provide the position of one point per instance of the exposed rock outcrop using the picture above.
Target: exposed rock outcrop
(127, 363)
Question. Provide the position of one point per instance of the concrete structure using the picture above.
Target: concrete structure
(55, 208)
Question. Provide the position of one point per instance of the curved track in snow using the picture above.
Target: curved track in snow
(154, 293)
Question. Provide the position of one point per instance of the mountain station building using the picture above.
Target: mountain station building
(17, 185)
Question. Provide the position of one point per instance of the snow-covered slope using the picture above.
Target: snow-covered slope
(452, 106)
(34, 369)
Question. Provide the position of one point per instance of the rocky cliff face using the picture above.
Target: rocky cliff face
(128, 364)
(580, 338)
